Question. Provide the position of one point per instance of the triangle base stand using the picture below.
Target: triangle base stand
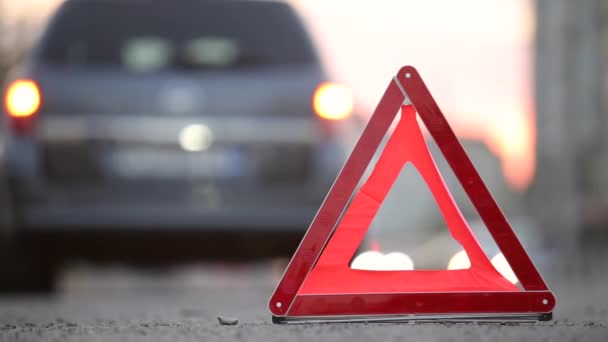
(451, 318)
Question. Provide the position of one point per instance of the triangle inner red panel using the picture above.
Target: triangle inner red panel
(332, 274)
(318, 280)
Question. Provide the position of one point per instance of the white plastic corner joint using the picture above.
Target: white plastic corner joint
(406, 99)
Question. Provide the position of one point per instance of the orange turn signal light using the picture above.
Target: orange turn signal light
(22, 98)
(333, 101)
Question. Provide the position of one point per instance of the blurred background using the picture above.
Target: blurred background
(152, 133)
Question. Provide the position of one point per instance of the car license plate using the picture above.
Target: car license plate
(218, 163)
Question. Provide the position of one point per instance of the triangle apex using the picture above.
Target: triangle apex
(407, 69)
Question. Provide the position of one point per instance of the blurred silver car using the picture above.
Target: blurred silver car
(172, 117)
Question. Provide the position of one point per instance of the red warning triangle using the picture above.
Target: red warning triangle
(319, 283)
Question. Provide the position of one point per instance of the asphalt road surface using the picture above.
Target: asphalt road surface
(183, 305)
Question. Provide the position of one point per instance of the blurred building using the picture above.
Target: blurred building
(569, 197)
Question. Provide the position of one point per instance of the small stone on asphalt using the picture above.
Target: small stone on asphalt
(227, 320)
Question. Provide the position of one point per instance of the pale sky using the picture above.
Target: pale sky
(474, 55)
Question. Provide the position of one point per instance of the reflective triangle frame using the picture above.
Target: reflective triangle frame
(287, 305)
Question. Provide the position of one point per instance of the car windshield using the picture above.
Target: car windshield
(145, 36)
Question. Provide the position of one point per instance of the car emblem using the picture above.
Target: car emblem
(195, 138)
